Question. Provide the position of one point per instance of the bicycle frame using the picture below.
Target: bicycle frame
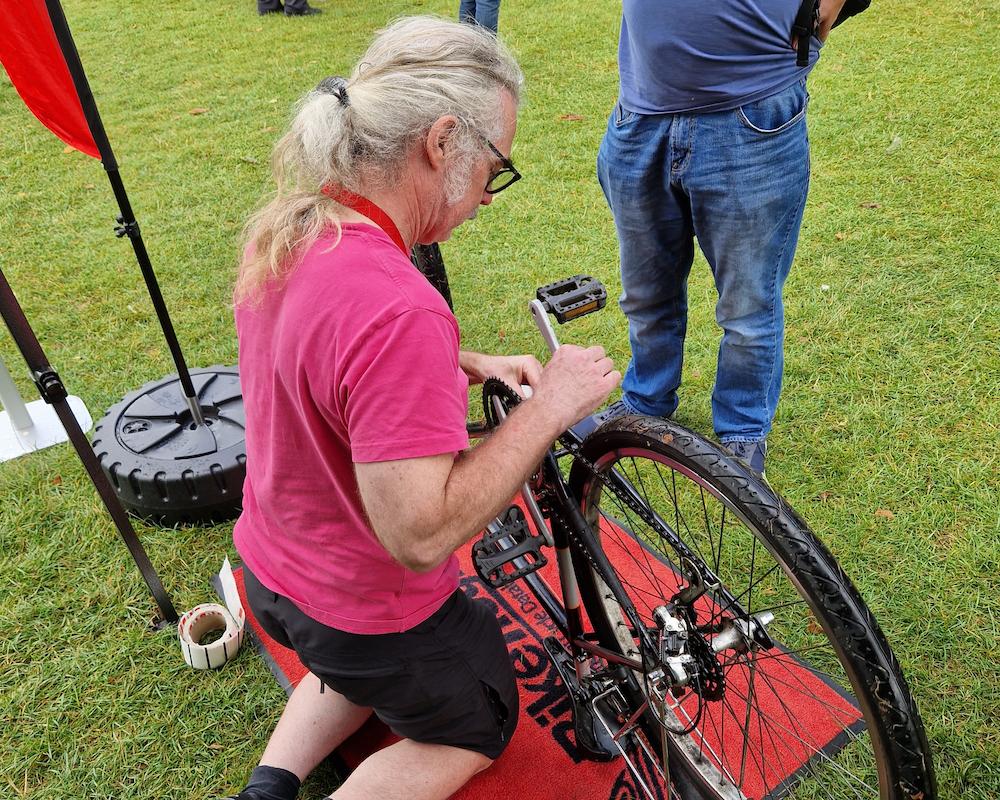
(565, 613)
(568, 521)
(604, 690)
(572, 533)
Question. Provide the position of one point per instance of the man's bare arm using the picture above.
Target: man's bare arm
(829, 10)
(423, 509)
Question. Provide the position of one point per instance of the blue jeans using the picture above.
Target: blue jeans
(483, 12)
(737, 180)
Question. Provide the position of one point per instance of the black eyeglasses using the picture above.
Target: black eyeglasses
(503, 177)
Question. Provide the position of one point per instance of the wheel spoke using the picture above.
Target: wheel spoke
(693, 543)
(783, 719)
(792, 721)
(650, 572)
(745, 593)
(803, 690)
(816, 752)
(657, 595)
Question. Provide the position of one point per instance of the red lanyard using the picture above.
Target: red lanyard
(367, 208)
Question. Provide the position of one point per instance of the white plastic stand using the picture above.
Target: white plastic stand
(27, 427)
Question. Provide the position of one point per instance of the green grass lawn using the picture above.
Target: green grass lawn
(886, 438)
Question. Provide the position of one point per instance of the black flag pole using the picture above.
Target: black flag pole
(52, 391)
(183, 436)
(127, 224)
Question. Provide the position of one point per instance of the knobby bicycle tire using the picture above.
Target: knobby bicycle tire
(428, 259)
(819, 619)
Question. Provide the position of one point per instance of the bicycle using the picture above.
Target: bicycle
(707, 634)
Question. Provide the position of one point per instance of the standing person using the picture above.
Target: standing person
(480, 12)
(708, 140)
(359, 484)
(290, 8)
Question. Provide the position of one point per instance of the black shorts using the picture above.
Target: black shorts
(449, 680)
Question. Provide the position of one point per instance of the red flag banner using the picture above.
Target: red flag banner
(30, 53)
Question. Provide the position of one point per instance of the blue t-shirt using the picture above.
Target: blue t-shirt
(706, 55)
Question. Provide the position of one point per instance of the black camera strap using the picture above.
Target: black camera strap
(807, 22)
(803, 30)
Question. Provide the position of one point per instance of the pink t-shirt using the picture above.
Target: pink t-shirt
(354, 359)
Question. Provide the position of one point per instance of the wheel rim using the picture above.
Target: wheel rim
(767, 690)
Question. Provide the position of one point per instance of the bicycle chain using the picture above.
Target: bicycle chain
(510, 398)
(711, 683)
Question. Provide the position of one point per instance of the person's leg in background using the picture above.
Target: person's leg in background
(748, 183)
(488, 14)
(300, 8)
(467, 11)
(482, 12)
(636, 165)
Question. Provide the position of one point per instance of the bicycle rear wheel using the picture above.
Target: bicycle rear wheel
(795, 690)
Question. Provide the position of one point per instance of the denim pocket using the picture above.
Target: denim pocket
(621, 116)
(779, 112)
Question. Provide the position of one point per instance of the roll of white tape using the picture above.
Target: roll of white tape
(202, 620)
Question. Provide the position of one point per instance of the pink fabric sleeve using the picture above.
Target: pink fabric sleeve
(407, 397)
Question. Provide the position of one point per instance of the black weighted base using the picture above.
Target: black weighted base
(163, 466)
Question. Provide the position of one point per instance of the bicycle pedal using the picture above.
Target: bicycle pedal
(592, 737)
(508, 550)
(572, 297)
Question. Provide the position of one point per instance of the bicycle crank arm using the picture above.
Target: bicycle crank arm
(526, 494)
(593, 740)
(545, 328)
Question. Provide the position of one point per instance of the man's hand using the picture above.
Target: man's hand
(515, 371)
(829, 10)
(575, 383)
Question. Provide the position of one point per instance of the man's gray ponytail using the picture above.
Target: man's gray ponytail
(356, 132)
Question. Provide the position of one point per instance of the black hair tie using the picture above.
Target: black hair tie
(337, 86)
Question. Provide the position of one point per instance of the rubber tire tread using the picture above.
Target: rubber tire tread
(890, 712)
(428, 259)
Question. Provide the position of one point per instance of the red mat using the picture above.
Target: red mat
(541, 761)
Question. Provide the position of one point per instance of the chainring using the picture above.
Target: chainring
(496, 388)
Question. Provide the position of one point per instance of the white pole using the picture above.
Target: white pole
(12, 403)
(27, 427)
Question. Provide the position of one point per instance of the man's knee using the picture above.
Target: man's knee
(482, 763)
